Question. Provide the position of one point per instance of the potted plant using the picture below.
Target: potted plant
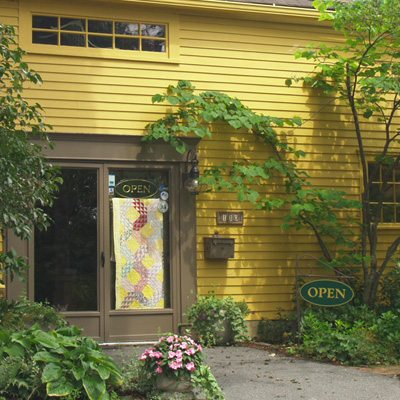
(177, 364)
(218, 321)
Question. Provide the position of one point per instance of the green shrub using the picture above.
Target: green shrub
(277, 331)
(208, 312)
(351, 335)
(66, 364)
(137, 379)
(389, 294)
(21, 314)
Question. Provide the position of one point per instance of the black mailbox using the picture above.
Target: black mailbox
(219, 247)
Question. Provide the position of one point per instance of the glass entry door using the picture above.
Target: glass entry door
(66, 271)
(139, 240)
(106, 258)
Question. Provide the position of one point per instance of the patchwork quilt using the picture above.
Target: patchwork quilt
(138, 244)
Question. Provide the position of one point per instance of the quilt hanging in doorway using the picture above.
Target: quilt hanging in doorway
(138, 244)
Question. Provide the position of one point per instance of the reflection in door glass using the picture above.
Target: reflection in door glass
(140, 261)
(66, 254)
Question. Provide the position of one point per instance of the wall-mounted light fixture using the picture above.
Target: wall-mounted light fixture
(192, 173)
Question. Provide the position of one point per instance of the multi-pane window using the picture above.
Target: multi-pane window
(390, 191)
(105, 34)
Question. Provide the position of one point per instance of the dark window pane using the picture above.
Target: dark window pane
(153, 45)
(123, 28)
(397, 174)
(375, 190)
(388, 212)
(397, 193)
(126, 43)
(104, 42)
(39, 21)
(66, 253)
(68, 39)
(153, 30)
(99, 26)
(72, 24)
(45, 37)
(371, 169)
(386, 173)
(397, 212)
(388, 195)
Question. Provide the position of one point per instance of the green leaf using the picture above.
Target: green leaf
(285, 227)
(288, 82)
(368, 114)
(14, 350)
(51, 373)
(296, 209)
(59, 388)
(297, 120)
(46, 339)
(95, 387)
(46, 357)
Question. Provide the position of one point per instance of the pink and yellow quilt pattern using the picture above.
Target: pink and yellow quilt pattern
(138, 245)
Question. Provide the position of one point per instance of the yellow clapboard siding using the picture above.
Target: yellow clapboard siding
(249, 60)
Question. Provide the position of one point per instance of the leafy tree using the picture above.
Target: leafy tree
(363, 72)
(27, 181)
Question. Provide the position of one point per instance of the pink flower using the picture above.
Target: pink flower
(159, 370)
(171, 354)
(143, 357)
(176, 364)
(184, 345)
(157, 354)
(190, 366)
(199, 348)
(170, 339)
(190, 351)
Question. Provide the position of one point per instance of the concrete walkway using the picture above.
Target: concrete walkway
(246, 373)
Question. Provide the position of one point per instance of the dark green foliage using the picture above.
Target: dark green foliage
(209, 312)
(136, 378)
(18, 315)
(64, 362)
(27, 181)
(351, 335)
(389, 295)
(278, 331)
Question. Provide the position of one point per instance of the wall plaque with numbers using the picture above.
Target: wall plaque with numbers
(229, 217)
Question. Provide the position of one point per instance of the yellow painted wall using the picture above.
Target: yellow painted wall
(245, 55)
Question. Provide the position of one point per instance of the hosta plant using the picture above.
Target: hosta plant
(60, 363)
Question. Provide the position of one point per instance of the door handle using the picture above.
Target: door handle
(103, 259)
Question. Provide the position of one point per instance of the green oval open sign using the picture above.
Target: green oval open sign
(136, 188)
(327, 293)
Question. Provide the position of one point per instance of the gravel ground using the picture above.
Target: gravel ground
(246, 373)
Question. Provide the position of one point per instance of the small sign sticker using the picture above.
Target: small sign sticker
(164, 195)
(162, 206)
(111, 180)
(229, 217)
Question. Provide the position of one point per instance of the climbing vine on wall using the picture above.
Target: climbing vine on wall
(308, 207)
